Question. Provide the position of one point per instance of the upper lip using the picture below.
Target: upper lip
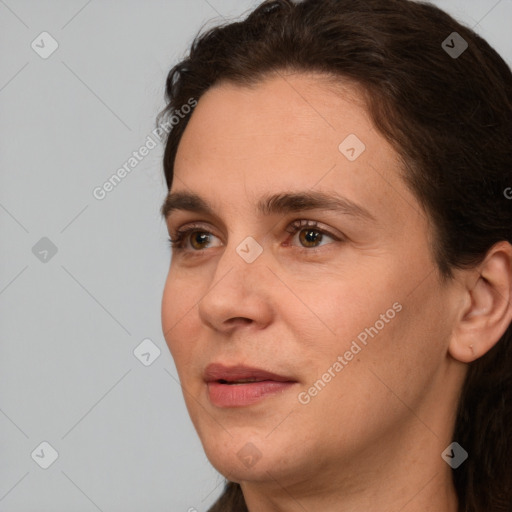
(217, 371)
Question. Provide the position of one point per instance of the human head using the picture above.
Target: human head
(448, 119)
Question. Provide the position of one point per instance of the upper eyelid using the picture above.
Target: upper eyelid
(292, 227)
(206, 226)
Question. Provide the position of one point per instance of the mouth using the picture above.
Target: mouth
(241, 381)
(238, 386)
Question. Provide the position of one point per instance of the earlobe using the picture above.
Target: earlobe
(487, 310)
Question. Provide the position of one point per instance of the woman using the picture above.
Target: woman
(338, 303)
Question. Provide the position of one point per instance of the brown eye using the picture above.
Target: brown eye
(309, 237)
(200, 238)
(192, 239)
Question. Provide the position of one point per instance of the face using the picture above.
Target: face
(329, 285)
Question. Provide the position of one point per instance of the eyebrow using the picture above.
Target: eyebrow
(286, 202)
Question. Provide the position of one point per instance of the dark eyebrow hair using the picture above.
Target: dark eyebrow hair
(285, 202)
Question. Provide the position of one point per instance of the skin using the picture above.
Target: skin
(372, 438)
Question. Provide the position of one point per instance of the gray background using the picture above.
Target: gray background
(70, 321)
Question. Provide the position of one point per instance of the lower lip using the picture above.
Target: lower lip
(239, 395)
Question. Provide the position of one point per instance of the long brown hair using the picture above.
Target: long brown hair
(449, 117)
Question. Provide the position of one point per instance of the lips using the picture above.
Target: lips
(242, 386)
(217, 372)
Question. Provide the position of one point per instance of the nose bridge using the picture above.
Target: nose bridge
(242, 262)
(238, 287)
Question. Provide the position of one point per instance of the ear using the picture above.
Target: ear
(487, 308)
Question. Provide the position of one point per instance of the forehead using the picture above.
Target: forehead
(292, 132)
(279, 116)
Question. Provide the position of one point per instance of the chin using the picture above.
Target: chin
(240, 460)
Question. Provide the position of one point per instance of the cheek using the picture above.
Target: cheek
(373, 380)
(344, 307)
(403, 358)
(375, 323)
(179, 307)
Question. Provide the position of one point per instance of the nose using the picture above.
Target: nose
(240, 291)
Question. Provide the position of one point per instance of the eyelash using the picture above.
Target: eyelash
(177, 241)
